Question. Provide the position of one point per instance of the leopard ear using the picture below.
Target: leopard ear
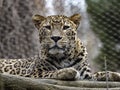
(37, 19)
(76, 19)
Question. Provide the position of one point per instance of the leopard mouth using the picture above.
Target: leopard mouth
(56, 47)
(56, 50)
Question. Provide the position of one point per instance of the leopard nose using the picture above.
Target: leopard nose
(56, 38)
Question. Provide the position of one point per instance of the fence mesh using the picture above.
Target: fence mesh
(105, 22)
(100, 28)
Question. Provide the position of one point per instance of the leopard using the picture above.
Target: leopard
(62, 55)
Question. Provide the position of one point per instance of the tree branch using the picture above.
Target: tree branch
(11, 82)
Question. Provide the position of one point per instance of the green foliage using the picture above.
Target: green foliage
(105, 22)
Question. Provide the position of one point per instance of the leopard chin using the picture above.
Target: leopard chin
(56, 51)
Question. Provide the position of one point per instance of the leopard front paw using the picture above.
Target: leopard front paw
(109, 75)
(67, 74)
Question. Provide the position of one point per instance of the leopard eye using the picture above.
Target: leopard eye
(66, 27)
(48, 27)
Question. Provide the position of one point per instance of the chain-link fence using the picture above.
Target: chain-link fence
(105, 22)
(16, 29)
(100, 28)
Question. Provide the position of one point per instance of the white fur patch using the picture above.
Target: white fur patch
(77, 75)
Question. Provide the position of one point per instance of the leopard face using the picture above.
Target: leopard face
(57, 33)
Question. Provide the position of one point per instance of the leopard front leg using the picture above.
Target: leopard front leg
(62, 74)
(106, 75)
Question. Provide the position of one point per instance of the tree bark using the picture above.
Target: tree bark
(11, 82)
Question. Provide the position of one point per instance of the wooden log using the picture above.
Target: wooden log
(12, 82)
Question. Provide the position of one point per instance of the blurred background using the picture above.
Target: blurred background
(99, 29)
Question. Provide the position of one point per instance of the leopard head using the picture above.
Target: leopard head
(57, 33)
